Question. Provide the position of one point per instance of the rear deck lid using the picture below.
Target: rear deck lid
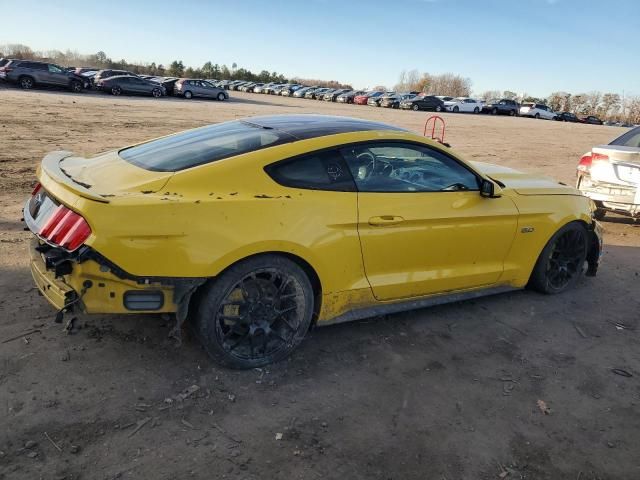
(101, 177)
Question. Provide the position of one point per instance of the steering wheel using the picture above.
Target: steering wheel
(370, 164)
(455, 187)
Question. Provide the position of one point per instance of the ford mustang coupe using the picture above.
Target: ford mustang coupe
(254, 230)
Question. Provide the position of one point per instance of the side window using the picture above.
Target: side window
(54, 69)
(315, 171)
(402, 167)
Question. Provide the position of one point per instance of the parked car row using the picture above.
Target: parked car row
(408, 101)
(29, 74)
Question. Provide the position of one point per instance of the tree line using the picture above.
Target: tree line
(608, 106)
(100, 60)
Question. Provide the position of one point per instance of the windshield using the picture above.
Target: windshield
(629, 139)
(202, 145)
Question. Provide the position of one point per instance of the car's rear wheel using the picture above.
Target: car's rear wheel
(221, 97)
(512, 113)
(26, 82)
(494, 111)
(188, 95)
(438, 108)
(415, 108)
(537, 116)
(476, 110)
(156, 92)
(561, 263)
(116, 90)
(255, 313)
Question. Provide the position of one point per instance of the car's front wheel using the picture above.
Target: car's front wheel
(221, 97)
(256, 312)
(456, 109)
(476, 110)
(116, 90)
(156, 92)
(75, 86)
(415, 108)
(188, 95)
(561, 263)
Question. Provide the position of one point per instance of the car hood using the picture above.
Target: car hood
(524, 183)
(106, 175)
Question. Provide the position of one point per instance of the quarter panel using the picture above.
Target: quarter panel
(540, 217)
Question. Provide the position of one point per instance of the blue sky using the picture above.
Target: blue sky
(533, 46)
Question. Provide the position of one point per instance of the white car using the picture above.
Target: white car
(463, 104)
(537, 110)
(610, 175)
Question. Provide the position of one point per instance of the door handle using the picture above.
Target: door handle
(383, 220)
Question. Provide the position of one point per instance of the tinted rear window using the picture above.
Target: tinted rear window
(629, 139)
(203, 145)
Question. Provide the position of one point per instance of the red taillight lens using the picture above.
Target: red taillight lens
(599, 158)
(585, 163)
(66, 229)
(36, 188)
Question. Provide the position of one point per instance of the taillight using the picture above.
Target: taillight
(36, 188)
(599, 158)
(65, 228)
(585, 163)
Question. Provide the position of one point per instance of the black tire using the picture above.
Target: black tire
(476, 110)
(188, 95)
(26, 82)
(599, 214)
(494, 111)
(438, 108)
(116, 90)
(156, 92)
(512, 113)
(456, 109)
(75, 86)
(263, 303)
(561, 263)
(221, 97)
(415, 108)
(537, 116)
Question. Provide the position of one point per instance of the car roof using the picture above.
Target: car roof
(311, 126)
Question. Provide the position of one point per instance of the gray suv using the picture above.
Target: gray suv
(28, 74)
(191, 87)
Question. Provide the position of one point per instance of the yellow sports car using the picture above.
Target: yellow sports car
(254, 230)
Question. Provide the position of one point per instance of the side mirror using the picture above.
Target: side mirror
(489, 189)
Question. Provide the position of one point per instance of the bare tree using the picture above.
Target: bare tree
(579, 103)
(633, 110)
(490, 94)
(593, 101)
(610, 104)
(509, 94)
(559, 101)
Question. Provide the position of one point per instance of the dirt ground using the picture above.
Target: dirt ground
(449, 392)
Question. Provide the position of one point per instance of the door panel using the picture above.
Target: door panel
(424, 227)
(433, 241)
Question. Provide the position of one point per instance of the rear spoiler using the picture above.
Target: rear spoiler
(50, 167)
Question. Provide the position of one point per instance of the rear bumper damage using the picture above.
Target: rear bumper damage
(81, 281)
(616, 197)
